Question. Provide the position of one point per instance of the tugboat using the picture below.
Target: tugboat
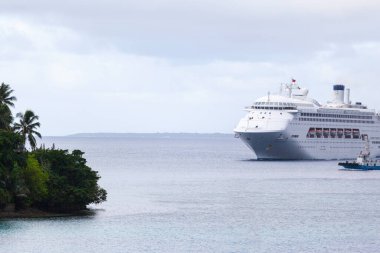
(363, 161)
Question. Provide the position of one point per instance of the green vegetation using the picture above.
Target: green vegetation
(52, 179)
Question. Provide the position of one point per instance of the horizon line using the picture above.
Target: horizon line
(137, 133)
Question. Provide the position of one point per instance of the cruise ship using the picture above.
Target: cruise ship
(292, 126)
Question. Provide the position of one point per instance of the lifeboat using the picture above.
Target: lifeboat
(340, 133)
(356, 133)
(347, 133)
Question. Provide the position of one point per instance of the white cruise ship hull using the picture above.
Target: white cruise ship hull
(273, 146)
(268, 146)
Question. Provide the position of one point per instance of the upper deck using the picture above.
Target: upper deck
(296, 99)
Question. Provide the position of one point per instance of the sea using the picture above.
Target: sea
(206, 193)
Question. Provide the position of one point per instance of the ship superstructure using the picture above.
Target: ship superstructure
(291, 125)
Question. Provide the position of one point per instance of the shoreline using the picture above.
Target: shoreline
(36, 213)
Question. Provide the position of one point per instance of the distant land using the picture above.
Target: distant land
(150, 135)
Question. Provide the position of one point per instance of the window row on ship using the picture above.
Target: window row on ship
(273, 108)
(338, 120)
(335, 116)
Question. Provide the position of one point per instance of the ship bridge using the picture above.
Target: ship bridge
(277, 102)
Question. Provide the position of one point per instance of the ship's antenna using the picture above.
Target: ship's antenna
(288, 90)
(268, 96)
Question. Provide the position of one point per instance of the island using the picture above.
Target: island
(39, 181)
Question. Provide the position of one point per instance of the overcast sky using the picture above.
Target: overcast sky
(180, 66)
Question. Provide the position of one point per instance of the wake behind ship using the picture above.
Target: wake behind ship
(292, 126)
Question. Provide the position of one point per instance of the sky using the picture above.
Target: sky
(180, 66)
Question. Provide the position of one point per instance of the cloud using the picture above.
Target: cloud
(209, 29)
(80, 77)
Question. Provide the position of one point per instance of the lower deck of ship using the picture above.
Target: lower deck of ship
(280, 146)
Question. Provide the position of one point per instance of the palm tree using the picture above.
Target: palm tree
(6, 101)
(27, 127)
(6, 97)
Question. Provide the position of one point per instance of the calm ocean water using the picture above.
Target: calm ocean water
(204, 194)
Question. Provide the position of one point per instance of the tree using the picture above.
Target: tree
(35, 178)
(27, 127)
(5, 117)
(6, 101)
(6, 97)
(50, 179)
(29, 183)
(10, 157)
(71, 184)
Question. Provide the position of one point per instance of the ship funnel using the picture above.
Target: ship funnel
(338, 94)
(348, 97)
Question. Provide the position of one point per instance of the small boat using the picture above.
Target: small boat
(363, 161)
